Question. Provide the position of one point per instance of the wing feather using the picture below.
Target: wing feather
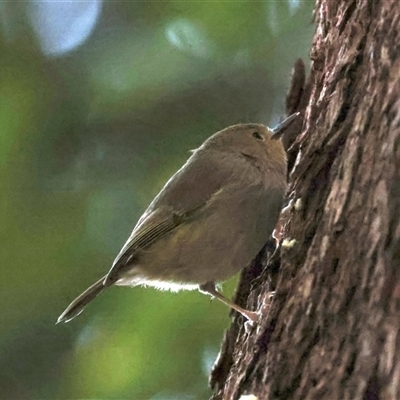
(158, 224)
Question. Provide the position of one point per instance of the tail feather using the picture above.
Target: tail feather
(77, 306)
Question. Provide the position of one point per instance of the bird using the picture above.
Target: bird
(209, 221)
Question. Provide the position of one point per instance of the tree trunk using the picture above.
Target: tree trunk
(332, 329)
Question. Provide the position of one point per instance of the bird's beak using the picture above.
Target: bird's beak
(280, 128)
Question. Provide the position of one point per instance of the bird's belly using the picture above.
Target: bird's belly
(195, 260)
(196, 252)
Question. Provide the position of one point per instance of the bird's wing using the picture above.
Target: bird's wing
(157, 224)
(178, 200)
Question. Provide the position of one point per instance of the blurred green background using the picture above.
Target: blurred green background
(99, 104)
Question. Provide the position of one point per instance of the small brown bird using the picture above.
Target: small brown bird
(208, 222)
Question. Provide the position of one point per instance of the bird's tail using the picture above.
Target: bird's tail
(77, 306)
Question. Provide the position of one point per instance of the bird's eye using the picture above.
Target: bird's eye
(257, 135)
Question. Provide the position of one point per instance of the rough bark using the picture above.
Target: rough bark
(332, 329)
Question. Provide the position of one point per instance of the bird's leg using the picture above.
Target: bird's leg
(209, 288)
